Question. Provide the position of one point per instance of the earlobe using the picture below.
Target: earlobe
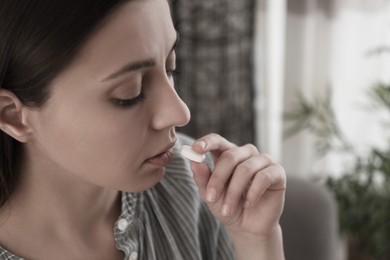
(12, 116)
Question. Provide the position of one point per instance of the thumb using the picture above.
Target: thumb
(202, 175)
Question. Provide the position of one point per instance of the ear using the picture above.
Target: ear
(13, 116)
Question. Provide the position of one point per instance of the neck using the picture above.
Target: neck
(56, 210)
(59, 203)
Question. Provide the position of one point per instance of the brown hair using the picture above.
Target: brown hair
(38, 40)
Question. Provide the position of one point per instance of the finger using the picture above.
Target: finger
(241, 182)
(202, 175)
(272, 178)
(224, 168)
(213, 143)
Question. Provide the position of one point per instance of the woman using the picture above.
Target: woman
(90, 167)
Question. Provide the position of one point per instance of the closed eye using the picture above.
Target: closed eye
(129, 102)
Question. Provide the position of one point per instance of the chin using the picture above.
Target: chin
(156, 176)
(149, 180)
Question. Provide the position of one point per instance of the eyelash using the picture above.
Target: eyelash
(130, 102)
(141, 97)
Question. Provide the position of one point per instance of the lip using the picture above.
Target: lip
(163, 157)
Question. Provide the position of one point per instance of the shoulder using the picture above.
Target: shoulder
(5, 255)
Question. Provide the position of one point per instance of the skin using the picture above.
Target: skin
(85, 132)
(246, 192)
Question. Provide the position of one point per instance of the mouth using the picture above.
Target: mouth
(163, 158)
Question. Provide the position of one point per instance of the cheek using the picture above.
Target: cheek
(93, 141)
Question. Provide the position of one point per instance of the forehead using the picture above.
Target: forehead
(138, 29)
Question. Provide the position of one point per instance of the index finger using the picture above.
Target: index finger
(212, 143)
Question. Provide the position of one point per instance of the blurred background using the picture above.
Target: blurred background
(308, 81)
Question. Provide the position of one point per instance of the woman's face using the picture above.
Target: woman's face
(112, 114)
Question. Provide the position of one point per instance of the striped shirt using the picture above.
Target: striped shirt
(168, 221)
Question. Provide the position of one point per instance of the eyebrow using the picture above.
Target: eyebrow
(133, 66)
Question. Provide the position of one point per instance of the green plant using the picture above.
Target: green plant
(363, 190)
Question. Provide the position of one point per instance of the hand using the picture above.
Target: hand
(246, 189)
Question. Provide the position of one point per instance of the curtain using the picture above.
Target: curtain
(215, 65)
(327, 46)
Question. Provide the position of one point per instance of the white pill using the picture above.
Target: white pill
(190, 154)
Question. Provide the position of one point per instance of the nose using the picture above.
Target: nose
(169, 110)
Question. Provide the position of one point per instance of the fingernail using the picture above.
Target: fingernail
(201, 144)
(211, 195)
(225, 210)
